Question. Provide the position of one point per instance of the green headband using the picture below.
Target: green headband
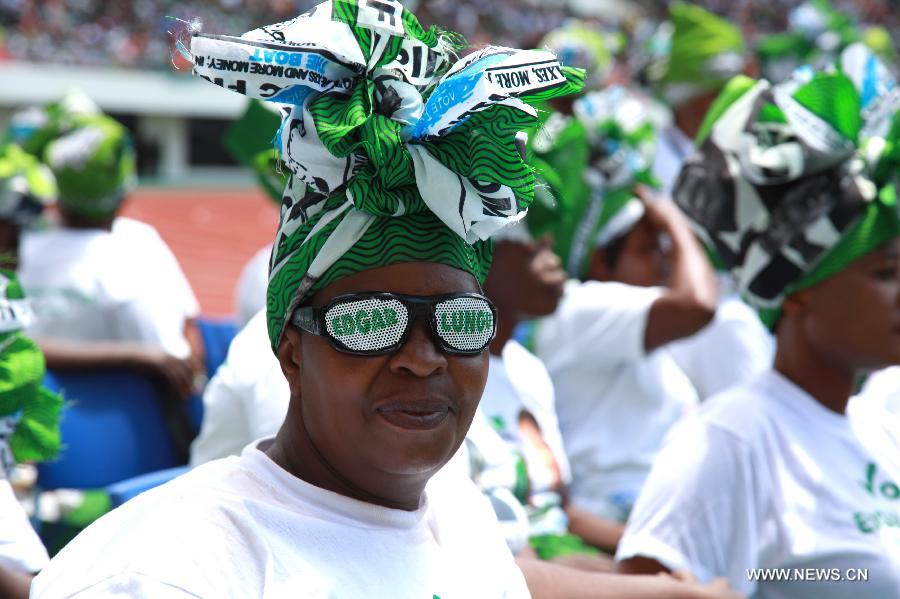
(398, 151)
(781, 188)
(29, 413)
(26, 186)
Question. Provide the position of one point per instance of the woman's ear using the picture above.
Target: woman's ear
(290, 357)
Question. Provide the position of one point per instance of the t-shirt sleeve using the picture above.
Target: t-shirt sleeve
(600, 322)
(698, 509)
(20, 548)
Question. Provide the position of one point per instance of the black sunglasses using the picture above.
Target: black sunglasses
(378, 323)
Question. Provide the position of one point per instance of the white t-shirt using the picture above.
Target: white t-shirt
(94, 285)
(247, 398)
(731, 350)
(766, 477)
(884, 387)
(512, 449)
(20, 548)
(615, 402)
(243, 527)
(250, 293)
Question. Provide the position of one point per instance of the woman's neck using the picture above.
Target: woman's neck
(816, 372)
(506, 326)
(294, 451)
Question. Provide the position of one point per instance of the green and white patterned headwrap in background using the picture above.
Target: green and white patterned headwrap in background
(589, 165)
(583, 47)
(786, 189)
(26, 187)
(399, 152)
(695, 53)
(29, 413)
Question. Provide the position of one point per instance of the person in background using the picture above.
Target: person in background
(29, 431)
(250, 141)
(802, 207)
(691, 58)
(106, 289)
(618, 390)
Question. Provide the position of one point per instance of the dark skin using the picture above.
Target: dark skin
(14, 585)
(823, 351)
(9, 245)
(689, 302)
(336, 397)
(526, 281)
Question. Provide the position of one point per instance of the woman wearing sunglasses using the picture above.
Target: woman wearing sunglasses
(403, 164)
(779, 484)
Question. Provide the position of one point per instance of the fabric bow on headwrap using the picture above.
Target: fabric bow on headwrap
(593, 199)
(784, 189)
(398, 151)
(26, 187)
(29, 413)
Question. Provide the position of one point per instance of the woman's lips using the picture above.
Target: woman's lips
(416, 415)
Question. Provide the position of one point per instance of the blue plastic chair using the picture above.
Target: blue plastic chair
(217, 336)
(112, 428)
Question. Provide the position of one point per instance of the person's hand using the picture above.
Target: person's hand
(717, 589)
(175, 373)
(661, 212)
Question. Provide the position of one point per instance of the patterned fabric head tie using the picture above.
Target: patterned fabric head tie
(594, 206)
(786, 189)
(29, 413)
(26, 187)
(398, 151)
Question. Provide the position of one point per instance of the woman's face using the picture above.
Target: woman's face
(373, 418)
(853, 318)
(641, 261)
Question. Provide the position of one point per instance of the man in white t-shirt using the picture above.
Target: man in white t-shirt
(101, 279)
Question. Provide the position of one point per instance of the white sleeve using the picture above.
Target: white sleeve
(250, 293)
(731, 350)
(699, 508)
(20, 548)
(601, 322)
(224, 431)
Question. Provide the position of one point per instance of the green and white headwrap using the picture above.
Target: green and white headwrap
(26, 187)
(591, 168)
(250, 141)
(399, 151)
(817, 34)
(577, 45)
(695, 53)
(784, 188)
(29, 413)
(94, 163)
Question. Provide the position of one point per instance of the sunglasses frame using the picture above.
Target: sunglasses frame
(312, 320)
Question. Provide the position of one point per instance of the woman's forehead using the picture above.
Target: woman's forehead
(408, 278)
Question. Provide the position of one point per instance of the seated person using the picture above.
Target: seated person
(29, 431)
(376, 316)
(526, 280)
(107, 290)
(618, 389)
(779, 472)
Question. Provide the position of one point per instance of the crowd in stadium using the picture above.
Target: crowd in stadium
(618, 316)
